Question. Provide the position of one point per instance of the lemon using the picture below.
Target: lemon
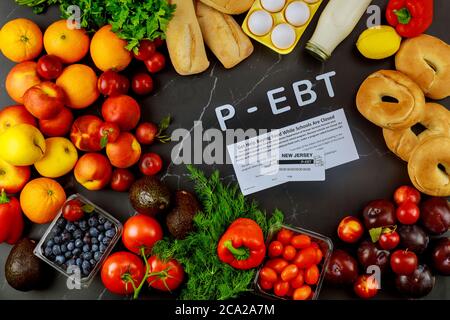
(378, 42)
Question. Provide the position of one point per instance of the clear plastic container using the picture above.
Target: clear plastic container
(84, 281)
(325, 244)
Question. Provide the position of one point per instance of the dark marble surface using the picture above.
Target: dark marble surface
(316, 205)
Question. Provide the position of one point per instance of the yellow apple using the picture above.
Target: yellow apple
(22, 145)
(59, 159)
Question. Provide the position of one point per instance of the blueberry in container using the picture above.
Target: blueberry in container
(78, 249)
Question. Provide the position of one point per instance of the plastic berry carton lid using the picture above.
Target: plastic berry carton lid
(74, 272)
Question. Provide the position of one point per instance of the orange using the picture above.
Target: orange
(21, 40)
(41, 199)
(80, 85)
(70, 45)
(108, 50)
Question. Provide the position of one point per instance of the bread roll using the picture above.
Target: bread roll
(223, 36)
(230, 6)
(185, 41)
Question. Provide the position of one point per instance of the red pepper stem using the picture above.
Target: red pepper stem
(3, 197)
(403, 15)
(238, 253)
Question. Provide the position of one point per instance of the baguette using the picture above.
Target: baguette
(184, 40)
(223, 36)
(230, 6)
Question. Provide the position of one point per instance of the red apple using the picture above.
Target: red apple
(13, 178)
(121, 180)
(125, 151)
(58, 126)
(93, 171)
(14, 115)
(45, 100)
(84, 133)
(122, 110)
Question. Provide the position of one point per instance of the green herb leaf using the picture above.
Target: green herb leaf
(375, 233)
(87, 208)
(104, 141)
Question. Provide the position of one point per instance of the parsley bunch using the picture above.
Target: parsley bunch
(132, 20)
(208, 277)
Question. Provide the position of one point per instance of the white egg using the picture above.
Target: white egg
(283, 36)
(260, 22)
(273, 5)
(297, 13)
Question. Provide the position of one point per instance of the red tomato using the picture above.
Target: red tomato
(119, 270)
(49, 67)
(408, 213)
(121, 180)
(268, 274)
(403, 262)
(289, 273)
(141, 231)
(299, 280)
(281, 288)
(73, 210)
(150, 164)
(284, 236)
(289, 253)
(146, 49)
(165, 276)
(305, 258)
(155, 63)
(366, 287)
(389, 240)
(406, 194)
(265, 285)
(319, 255)
(301, 241)
(111, 83)
(277, 264)
(109, 132)
(302, 293)
(275, 249)
(312, 275)
(146, 132)
(350, 229)
(142, 83)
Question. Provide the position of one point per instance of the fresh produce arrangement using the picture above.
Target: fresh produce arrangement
(396, 238)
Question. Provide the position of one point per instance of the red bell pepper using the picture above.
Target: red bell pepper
(11, 221)
(242, 245)
(410, 17)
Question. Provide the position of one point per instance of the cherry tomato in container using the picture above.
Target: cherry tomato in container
(155, 63)
(289, 273)
(403, 262)
(275, 249)
(165, 276)
(284, 236)
(289, 253)
(350, 229)
(319, 255)
(120, 270)
(141, 231)
(301, 241)
(265, 285)
(281, 288)
(73, 210)
(305, 258)
(268, 274)
(312, 275)
(142, 83)
(366, 287)
(111, 83)
(277, 264)
(406, 194)
(302, 293)
(121, 180)
(389, 240)
(49, 67)
(109, 132)
(146, 50)
(408, 213)
(150, 164)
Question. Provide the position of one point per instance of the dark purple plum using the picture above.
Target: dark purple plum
(342, 268)
(413, 238)
(369, 254)
(435, 215)
(379, 213)
(418, 284)
(441, 256)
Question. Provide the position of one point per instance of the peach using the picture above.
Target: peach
(125, 151)
(58, 126)
(20, 78)
(14, 115)
(93, 171)
(85, 133)
(44, 100)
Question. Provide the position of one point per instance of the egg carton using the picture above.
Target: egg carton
(279, 24)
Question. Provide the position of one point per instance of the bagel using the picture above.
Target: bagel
(426, 60)
(436, 120)
(402, 114)
(429, 166)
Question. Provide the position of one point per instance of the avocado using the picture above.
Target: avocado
(149, 195)
(23, 270)
(179, 220)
